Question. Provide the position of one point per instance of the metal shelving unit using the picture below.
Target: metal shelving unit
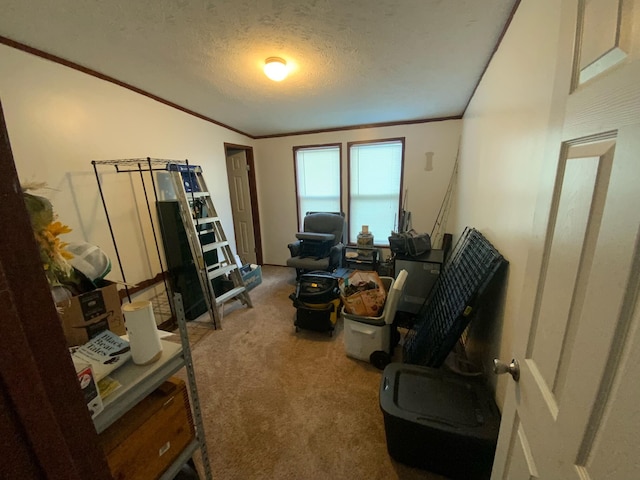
(139, 381)
(362, 262)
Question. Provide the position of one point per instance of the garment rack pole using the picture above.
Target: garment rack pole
(113, 238)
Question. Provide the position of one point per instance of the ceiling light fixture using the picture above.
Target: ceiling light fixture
(275, 68)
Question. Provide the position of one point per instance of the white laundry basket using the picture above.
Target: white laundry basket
(365, 335)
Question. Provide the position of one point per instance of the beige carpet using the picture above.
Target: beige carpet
(284, 405)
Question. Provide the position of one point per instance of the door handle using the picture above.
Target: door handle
(512, 369)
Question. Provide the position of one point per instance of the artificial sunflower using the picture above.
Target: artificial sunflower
(47, 230)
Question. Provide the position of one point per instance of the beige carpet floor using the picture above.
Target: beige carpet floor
(284, 405)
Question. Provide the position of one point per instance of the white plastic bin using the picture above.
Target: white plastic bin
(365, 335)
(362, 339)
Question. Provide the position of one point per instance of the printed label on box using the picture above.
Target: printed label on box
(92, 305)
(95, 328)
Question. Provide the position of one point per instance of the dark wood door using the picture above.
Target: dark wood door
(45, 427)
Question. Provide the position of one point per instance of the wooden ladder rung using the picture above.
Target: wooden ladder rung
(234, 292)
(207, 247)
(218, 272)
(205, 220)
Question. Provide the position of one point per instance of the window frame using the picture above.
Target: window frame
(296, 148)
(402, 141)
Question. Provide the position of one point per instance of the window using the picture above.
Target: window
(317, 170)
(375, 182)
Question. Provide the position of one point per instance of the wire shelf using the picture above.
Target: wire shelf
(453, 302)
(146, 164)
(135, 161)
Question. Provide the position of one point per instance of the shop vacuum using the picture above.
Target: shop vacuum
(317, 302)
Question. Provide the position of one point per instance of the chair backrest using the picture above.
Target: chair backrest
(393, 297)
(325, 223)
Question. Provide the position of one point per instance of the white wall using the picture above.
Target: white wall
(60, 119)
(426, 189)
(504, 135)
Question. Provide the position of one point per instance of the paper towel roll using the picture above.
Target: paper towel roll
(143, 332)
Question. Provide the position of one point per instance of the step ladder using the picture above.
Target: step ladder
(205, 235)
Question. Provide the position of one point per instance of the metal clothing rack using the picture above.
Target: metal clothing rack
(194, 201)
(132, 165)
(175, 360)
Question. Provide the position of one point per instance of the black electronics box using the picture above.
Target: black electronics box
(438, 421)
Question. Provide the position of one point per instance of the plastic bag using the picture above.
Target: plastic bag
(363, 293)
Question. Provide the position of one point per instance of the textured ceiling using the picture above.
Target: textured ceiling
(354, 62)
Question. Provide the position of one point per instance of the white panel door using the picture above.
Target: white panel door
(575, 412)
(237, 172)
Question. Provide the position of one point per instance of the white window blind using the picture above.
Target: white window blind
(375, 171)
(318, 179)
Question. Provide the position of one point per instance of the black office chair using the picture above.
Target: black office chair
(319, 246)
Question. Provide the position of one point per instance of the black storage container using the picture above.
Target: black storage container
(439, 421)
(317, 302)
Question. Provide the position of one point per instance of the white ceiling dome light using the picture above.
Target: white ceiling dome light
(275, 68)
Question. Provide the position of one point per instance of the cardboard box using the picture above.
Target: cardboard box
(86, 315)
(147, 439)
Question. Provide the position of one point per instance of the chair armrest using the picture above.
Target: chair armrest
(337, 253)
(294, 248)
(318, 237)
